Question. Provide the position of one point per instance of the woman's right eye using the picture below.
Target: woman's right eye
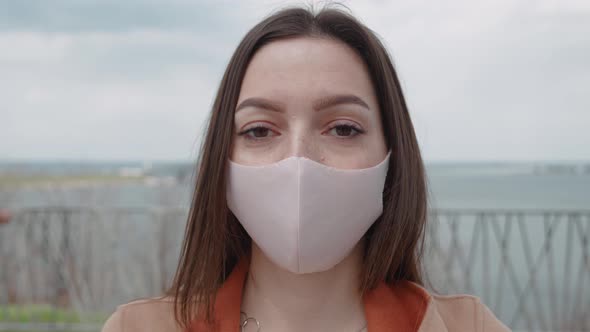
(257, 132)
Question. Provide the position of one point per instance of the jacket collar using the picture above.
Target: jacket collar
(403, 306)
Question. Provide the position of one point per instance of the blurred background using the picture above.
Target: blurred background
(103, 106)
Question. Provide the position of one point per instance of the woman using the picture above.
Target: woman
(310, 201)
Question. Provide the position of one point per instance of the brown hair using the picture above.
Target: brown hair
(215, 240)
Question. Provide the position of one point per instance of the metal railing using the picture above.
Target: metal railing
(531, 267)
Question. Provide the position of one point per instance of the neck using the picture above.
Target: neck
(322, 301)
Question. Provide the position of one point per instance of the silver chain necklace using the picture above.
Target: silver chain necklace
(245, 321)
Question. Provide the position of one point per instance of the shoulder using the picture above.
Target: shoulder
(148, 314)
(463, 312)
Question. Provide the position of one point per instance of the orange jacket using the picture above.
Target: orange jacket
(403, 307)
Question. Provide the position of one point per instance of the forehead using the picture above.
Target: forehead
(304, 69)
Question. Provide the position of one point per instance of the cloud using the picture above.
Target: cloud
(135, 80)
(106, 95)
(115, 16)
(499, 81)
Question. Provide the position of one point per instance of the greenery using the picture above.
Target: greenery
(39, 331)
(47, 314)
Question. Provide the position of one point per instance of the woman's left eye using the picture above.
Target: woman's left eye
(346, 130)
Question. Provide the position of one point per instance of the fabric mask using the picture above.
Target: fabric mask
(306, 216)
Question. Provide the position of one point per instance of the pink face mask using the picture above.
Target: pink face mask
(306, 216)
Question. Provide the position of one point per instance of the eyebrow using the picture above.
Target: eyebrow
(319, 104)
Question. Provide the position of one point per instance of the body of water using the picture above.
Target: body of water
(451, 185)
(486, 186)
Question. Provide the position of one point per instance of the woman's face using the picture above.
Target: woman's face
(308, 97)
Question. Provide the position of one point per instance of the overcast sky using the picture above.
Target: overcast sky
(118, 80)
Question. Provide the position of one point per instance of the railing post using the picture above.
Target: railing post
(62, 289)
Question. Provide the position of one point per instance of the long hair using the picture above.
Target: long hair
(214, 240)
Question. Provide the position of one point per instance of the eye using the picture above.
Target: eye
(345, 130)
(256, 132)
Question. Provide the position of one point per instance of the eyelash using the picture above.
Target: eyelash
(357, 130)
